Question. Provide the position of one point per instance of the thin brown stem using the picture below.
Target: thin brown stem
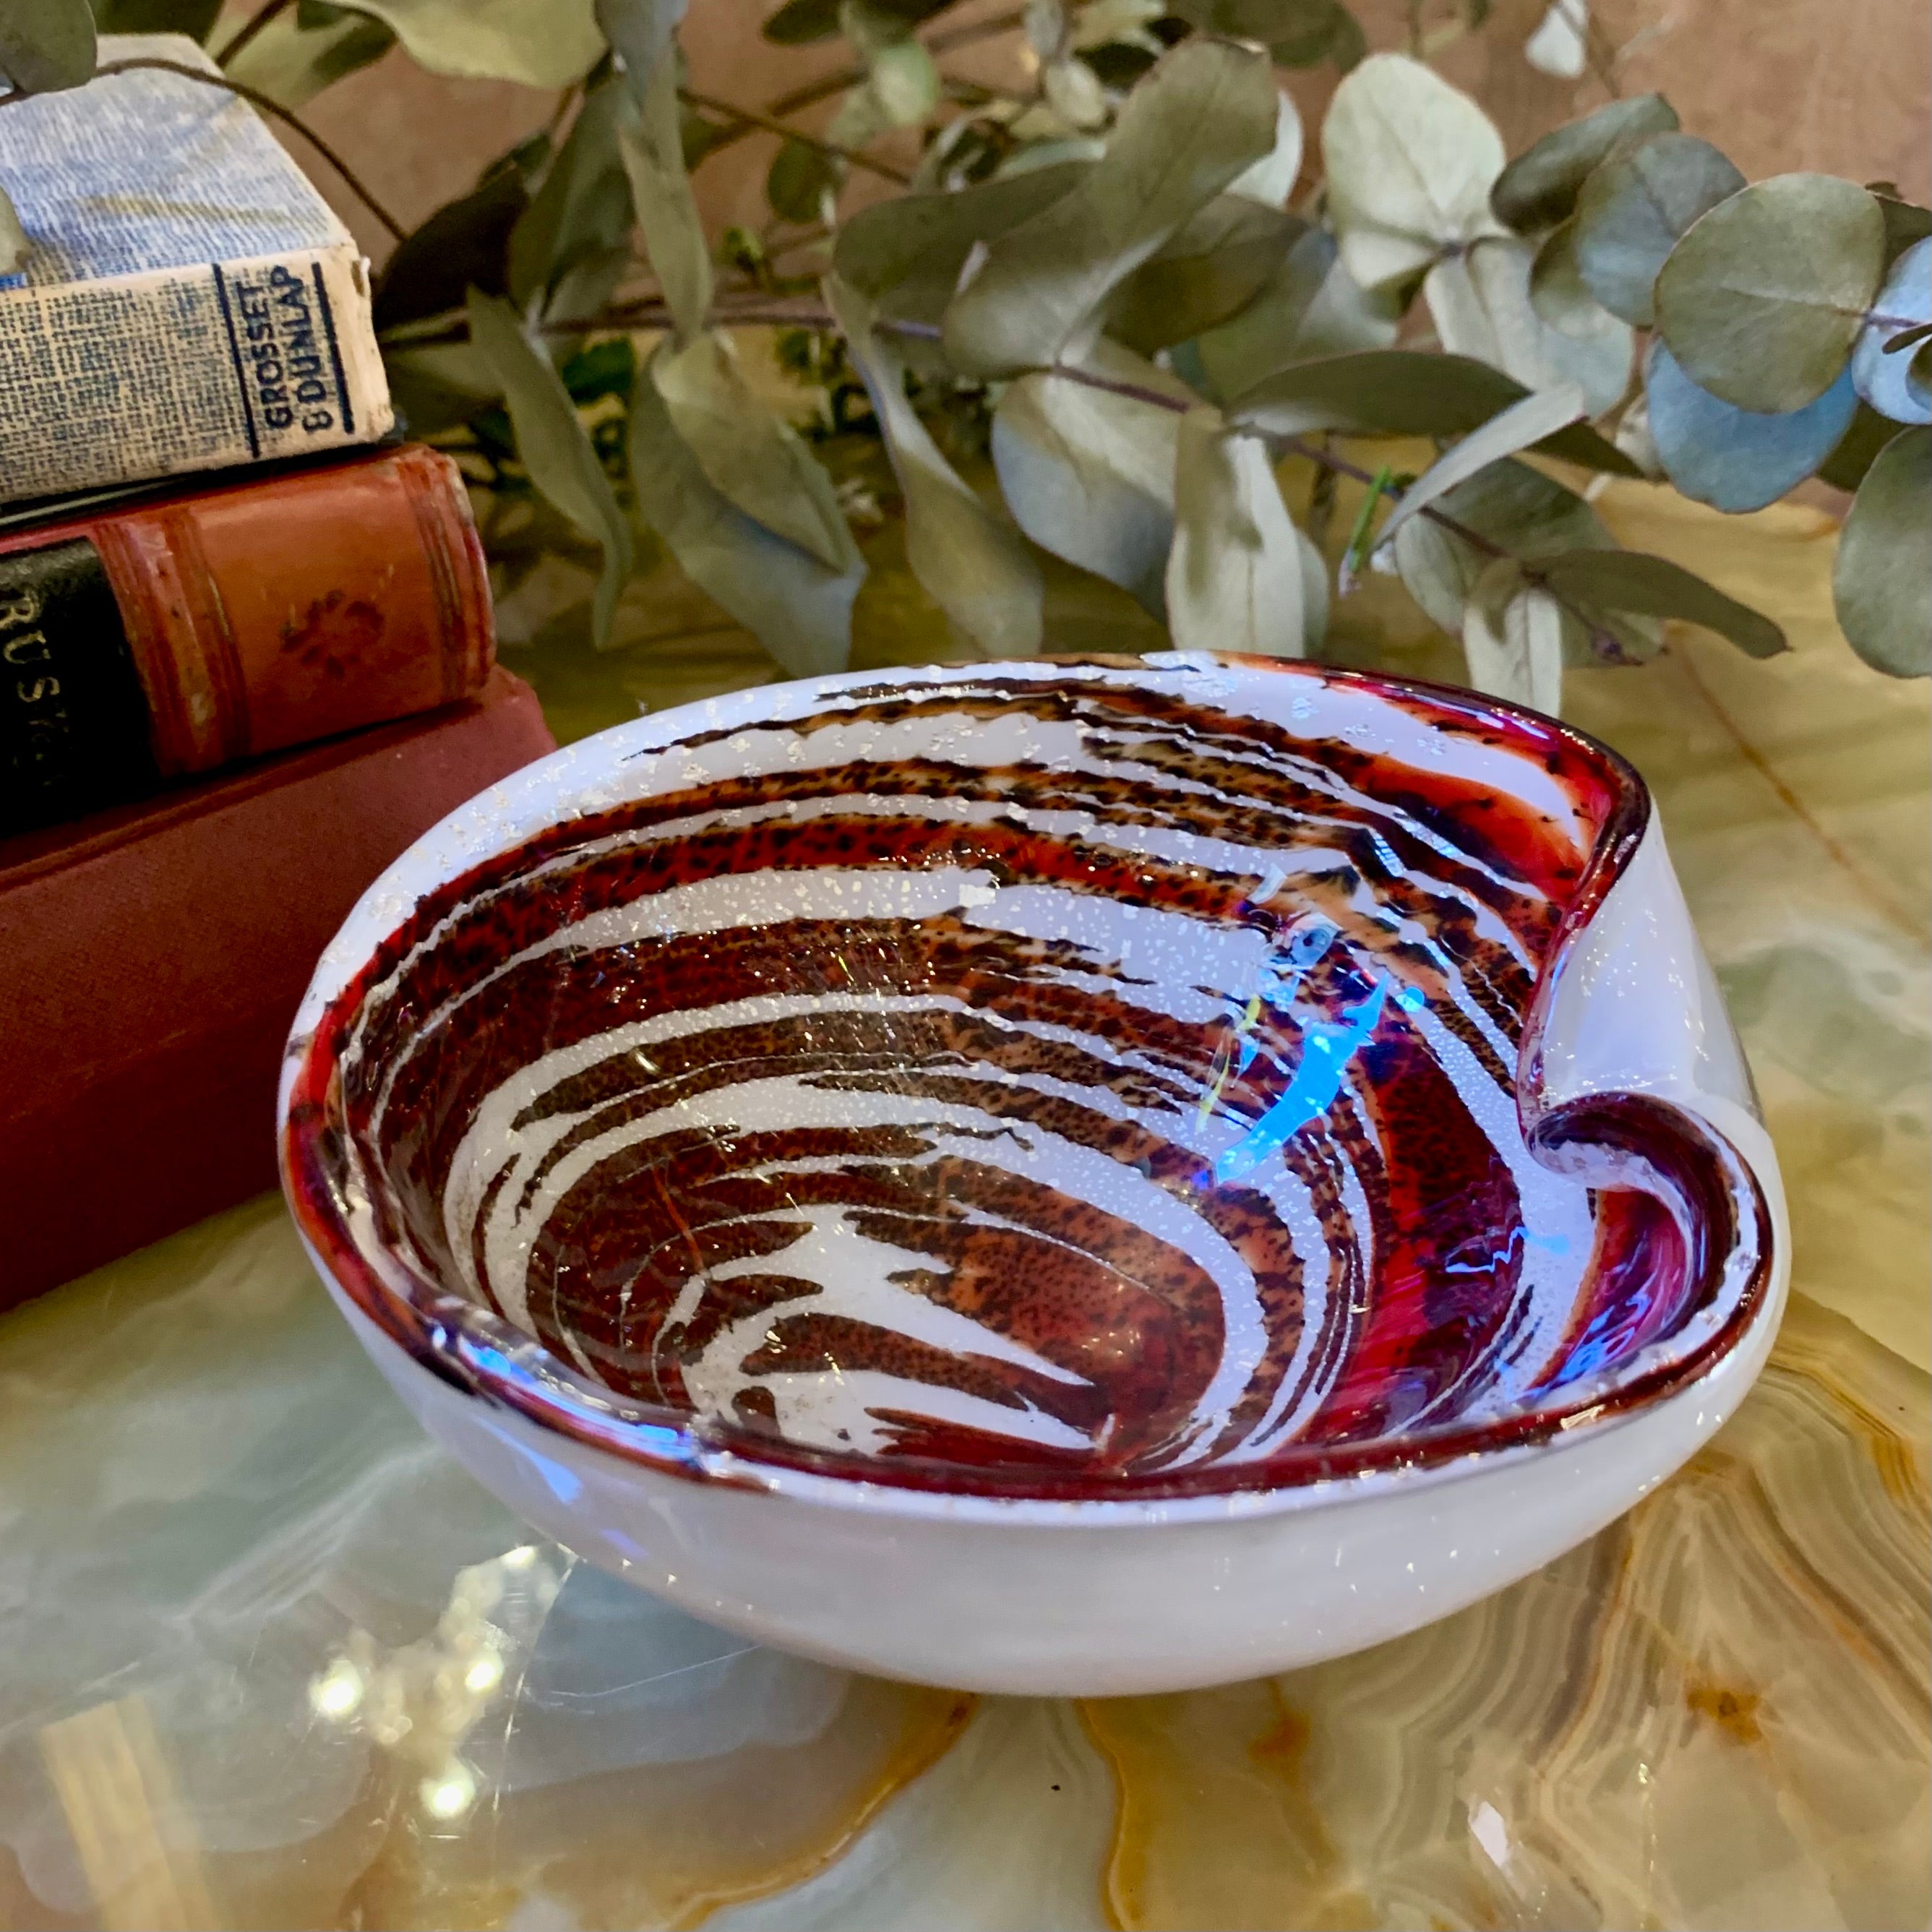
(250, 27)
(751, 117)
(256, 98)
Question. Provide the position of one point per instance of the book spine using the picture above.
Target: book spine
(188, 632)
(173, 370)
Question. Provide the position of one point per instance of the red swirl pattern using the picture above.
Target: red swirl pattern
(1077, 1077)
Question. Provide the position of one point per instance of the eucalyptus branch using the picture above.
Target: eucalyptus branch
(250, 27)
(749, 118)
(255, 98)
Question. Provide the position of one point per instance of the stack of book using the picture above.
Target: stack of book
(246, 650)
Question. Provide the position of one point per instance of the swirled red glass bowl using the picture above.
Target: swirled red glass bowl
(1065, 1176)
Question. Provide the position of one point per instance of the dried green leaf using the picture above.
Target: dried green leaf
(905, 256)
(194, 18)
(435, 386)
(640, 33)
(803, 183)
(46, 46)
(1479, 302)
(902, 83)
(464, 244)
(798, 23)
(1271, 180)
(1762, 299)
(14, 246)
(1622, 580)
(1539, 188)
(976, 567)
(1312, 307)
(1235, 578)
(1559, 45)
(1512, 639)
(1073, 91)
(800, 608)
(652, 147)
(1217, 264)
(1905, 222)
(1523, 424)
(1088, 474)
(1204, 113)
(1410, 163)
(1883, 374)
(1737, 459)
(1881, 586)
(554, 446)
(1512, 508)
(296, 55)
(1557, 291)
(1631, 210)
(752, 457)
(1403, 392)
(1296, 33)
(582, 209)
(1858, 449)
(540, 42)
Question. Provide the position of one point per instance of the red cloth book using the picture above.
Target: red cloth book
(147, 638)
(151, 959)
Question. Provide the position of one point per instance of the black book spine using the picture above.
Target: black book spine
(74, 719)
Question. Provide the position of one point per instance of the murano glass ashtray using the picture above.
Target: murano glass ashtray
(1078, 1176)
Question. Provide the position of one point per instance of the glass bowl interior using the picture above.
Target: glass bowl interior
(1084, 1078)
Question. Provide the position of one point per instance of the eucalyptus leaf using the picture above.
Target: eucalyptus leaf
(463, 245)
(906, 256)
(1737, 459)
(554, 446)
(1481, 304)
(1088, 474)
(640, 32)
(1858, 449)
(1311, 308)
(582, 206)
(1220, 260)
(1511, 507)
(1523, 423)
(1557, 291)
(437, 386)
(798, 23)
(46, 46)
(194, 18)
(1205, 112)
(295, 56)
(1884, 378)
(976, 567)
(1762, 299)
(1622, 580)
(1271, 180)
(14, 246)
(1235, 577)
(749, 455)
(802, 182)
(1539, 188)
(1072, 90)
(800, 608)
(1631, 210)
(540, 42)
(1559, 46)
(1905, 222)
(1918, 376)
(1512, 639)
(651, 144)
(1410, 163)
(1403, 392)
(1881, 586)
(902, 83)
